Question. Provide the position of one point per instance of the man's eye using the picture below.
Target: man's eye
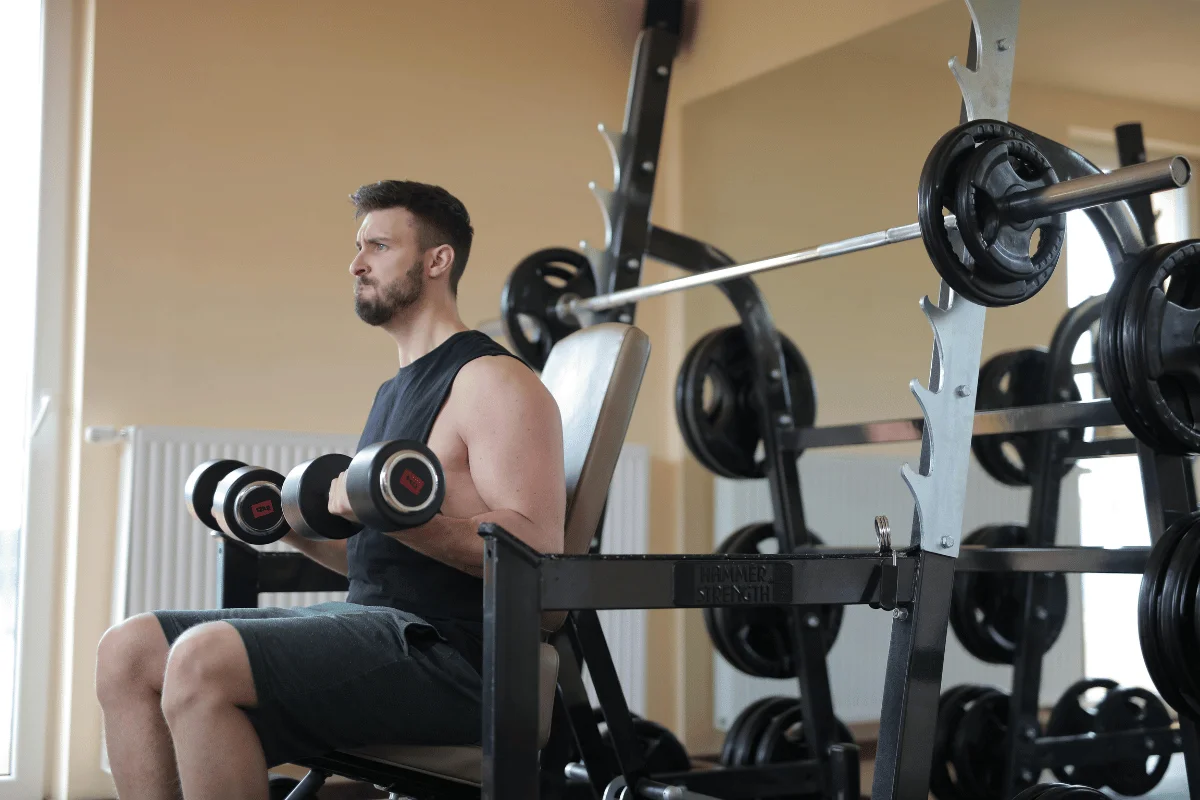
(380, 246)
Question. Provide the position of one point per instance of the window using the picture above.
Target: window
(1112, 508)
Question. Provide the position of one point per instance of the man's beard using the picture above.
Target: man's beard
(389, 300)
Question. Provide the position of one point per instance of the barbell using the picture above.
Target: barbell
(997, 245)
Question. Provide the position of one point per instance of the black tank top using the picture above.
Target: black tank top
(384, 572)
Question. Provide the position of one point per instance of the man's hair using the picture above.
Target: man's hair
(441, 217)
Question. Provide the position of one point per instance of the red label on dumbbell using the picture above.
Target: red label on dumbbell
(411, 481)
(261, 509)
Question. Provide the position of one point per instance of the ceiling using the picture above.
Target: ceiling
(1143, 50)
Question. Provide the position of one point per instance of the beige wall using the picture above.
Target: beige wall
(832, 147)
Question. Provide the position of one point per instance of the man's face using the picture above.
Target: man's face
(389, 270)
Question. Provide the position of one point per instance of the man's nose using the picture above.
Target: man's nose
(358, 266)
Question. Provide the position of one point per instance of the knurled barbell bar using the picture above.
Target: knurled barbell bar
(998, 187)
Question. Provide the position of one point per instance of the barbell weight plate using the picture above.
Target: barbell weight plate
(201, 485)
(305, 498)
(1159, 344)
(750, 733)
(662, 751)
(735, 730)
(987, 613)
(1069, 717)
(943, 777)
(936, 193)
(1111, 362)
(1149, 594)
(246, 505)
(784, 738)
(716, 623)
(1011, 380)
(717, 406)
(1176, 640)
(530, 294)
(1002, 248)
(759, 637)
(1126, 709)
(977, 746)
(395, 485)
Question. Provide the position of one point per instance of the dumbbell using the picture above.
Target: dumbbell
(395, 485)
(231, 497)
(306, 499)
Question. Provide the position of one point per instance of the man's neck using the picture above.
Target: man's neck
(418, 331)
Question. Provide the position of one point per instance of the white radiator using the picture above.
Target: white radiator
(166, 559)
(842, 495)
(627, 530)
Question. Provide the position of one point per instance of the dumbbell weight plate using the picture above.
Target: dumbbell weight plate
(1070, 718)
(1176, 627)
(247, 505)
(201, 486)
(1129, 709)
(715, 622)
(305, 499)
(395, 485)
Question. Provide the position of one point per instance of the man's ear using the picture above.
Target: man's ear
(442, 258)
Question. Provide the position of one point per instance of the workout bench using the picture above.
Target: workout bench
(594, 375)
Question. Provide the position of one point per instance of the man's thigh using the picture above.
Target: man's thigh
(342, 676)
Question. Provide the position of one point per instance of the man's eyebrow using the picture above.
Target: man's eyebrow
(373, 240)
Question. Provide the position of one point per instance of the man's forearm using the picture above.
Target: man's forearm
(330, 554)
(456, 542)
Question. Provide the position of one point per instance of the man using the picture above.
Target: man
(202, 703)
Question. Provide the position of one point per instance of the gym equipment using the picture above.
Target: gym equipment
(968, 748)
(771, 731)
(232, 498)
(986, 609)
(757, 639)
(395, 485)
(1060, 791)
(305, 499)
(1070, 717)
(1148, 348)
(1011, 380)
(1167, 615)
(1130, 709)
(661, 749)
(201, 485)
(247, 504)
(999, 224)
(719, 415)
(537, 282)
(973, 171)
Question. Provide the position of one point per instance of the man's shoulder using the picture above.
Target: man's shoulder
(501, 379)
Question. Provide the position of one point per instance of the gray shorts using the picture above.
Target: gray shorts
(342, 675)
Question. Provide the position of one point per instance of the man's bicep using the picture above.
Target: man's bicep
(516, 457)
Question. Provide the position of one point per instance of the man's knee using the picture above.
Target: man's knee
(207, 666)
(131, 657)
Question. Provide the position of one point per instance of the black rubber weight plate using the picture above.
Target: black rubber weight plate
(784, 739)
(1176, 643)
(530, 293)
(943, 778)
(735, 730)
(1149, 596)
(717, 407)
(1069, 717)
(1130, 709)
(663, 752)
(757, 639)
(751, 731)
(978, 746)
